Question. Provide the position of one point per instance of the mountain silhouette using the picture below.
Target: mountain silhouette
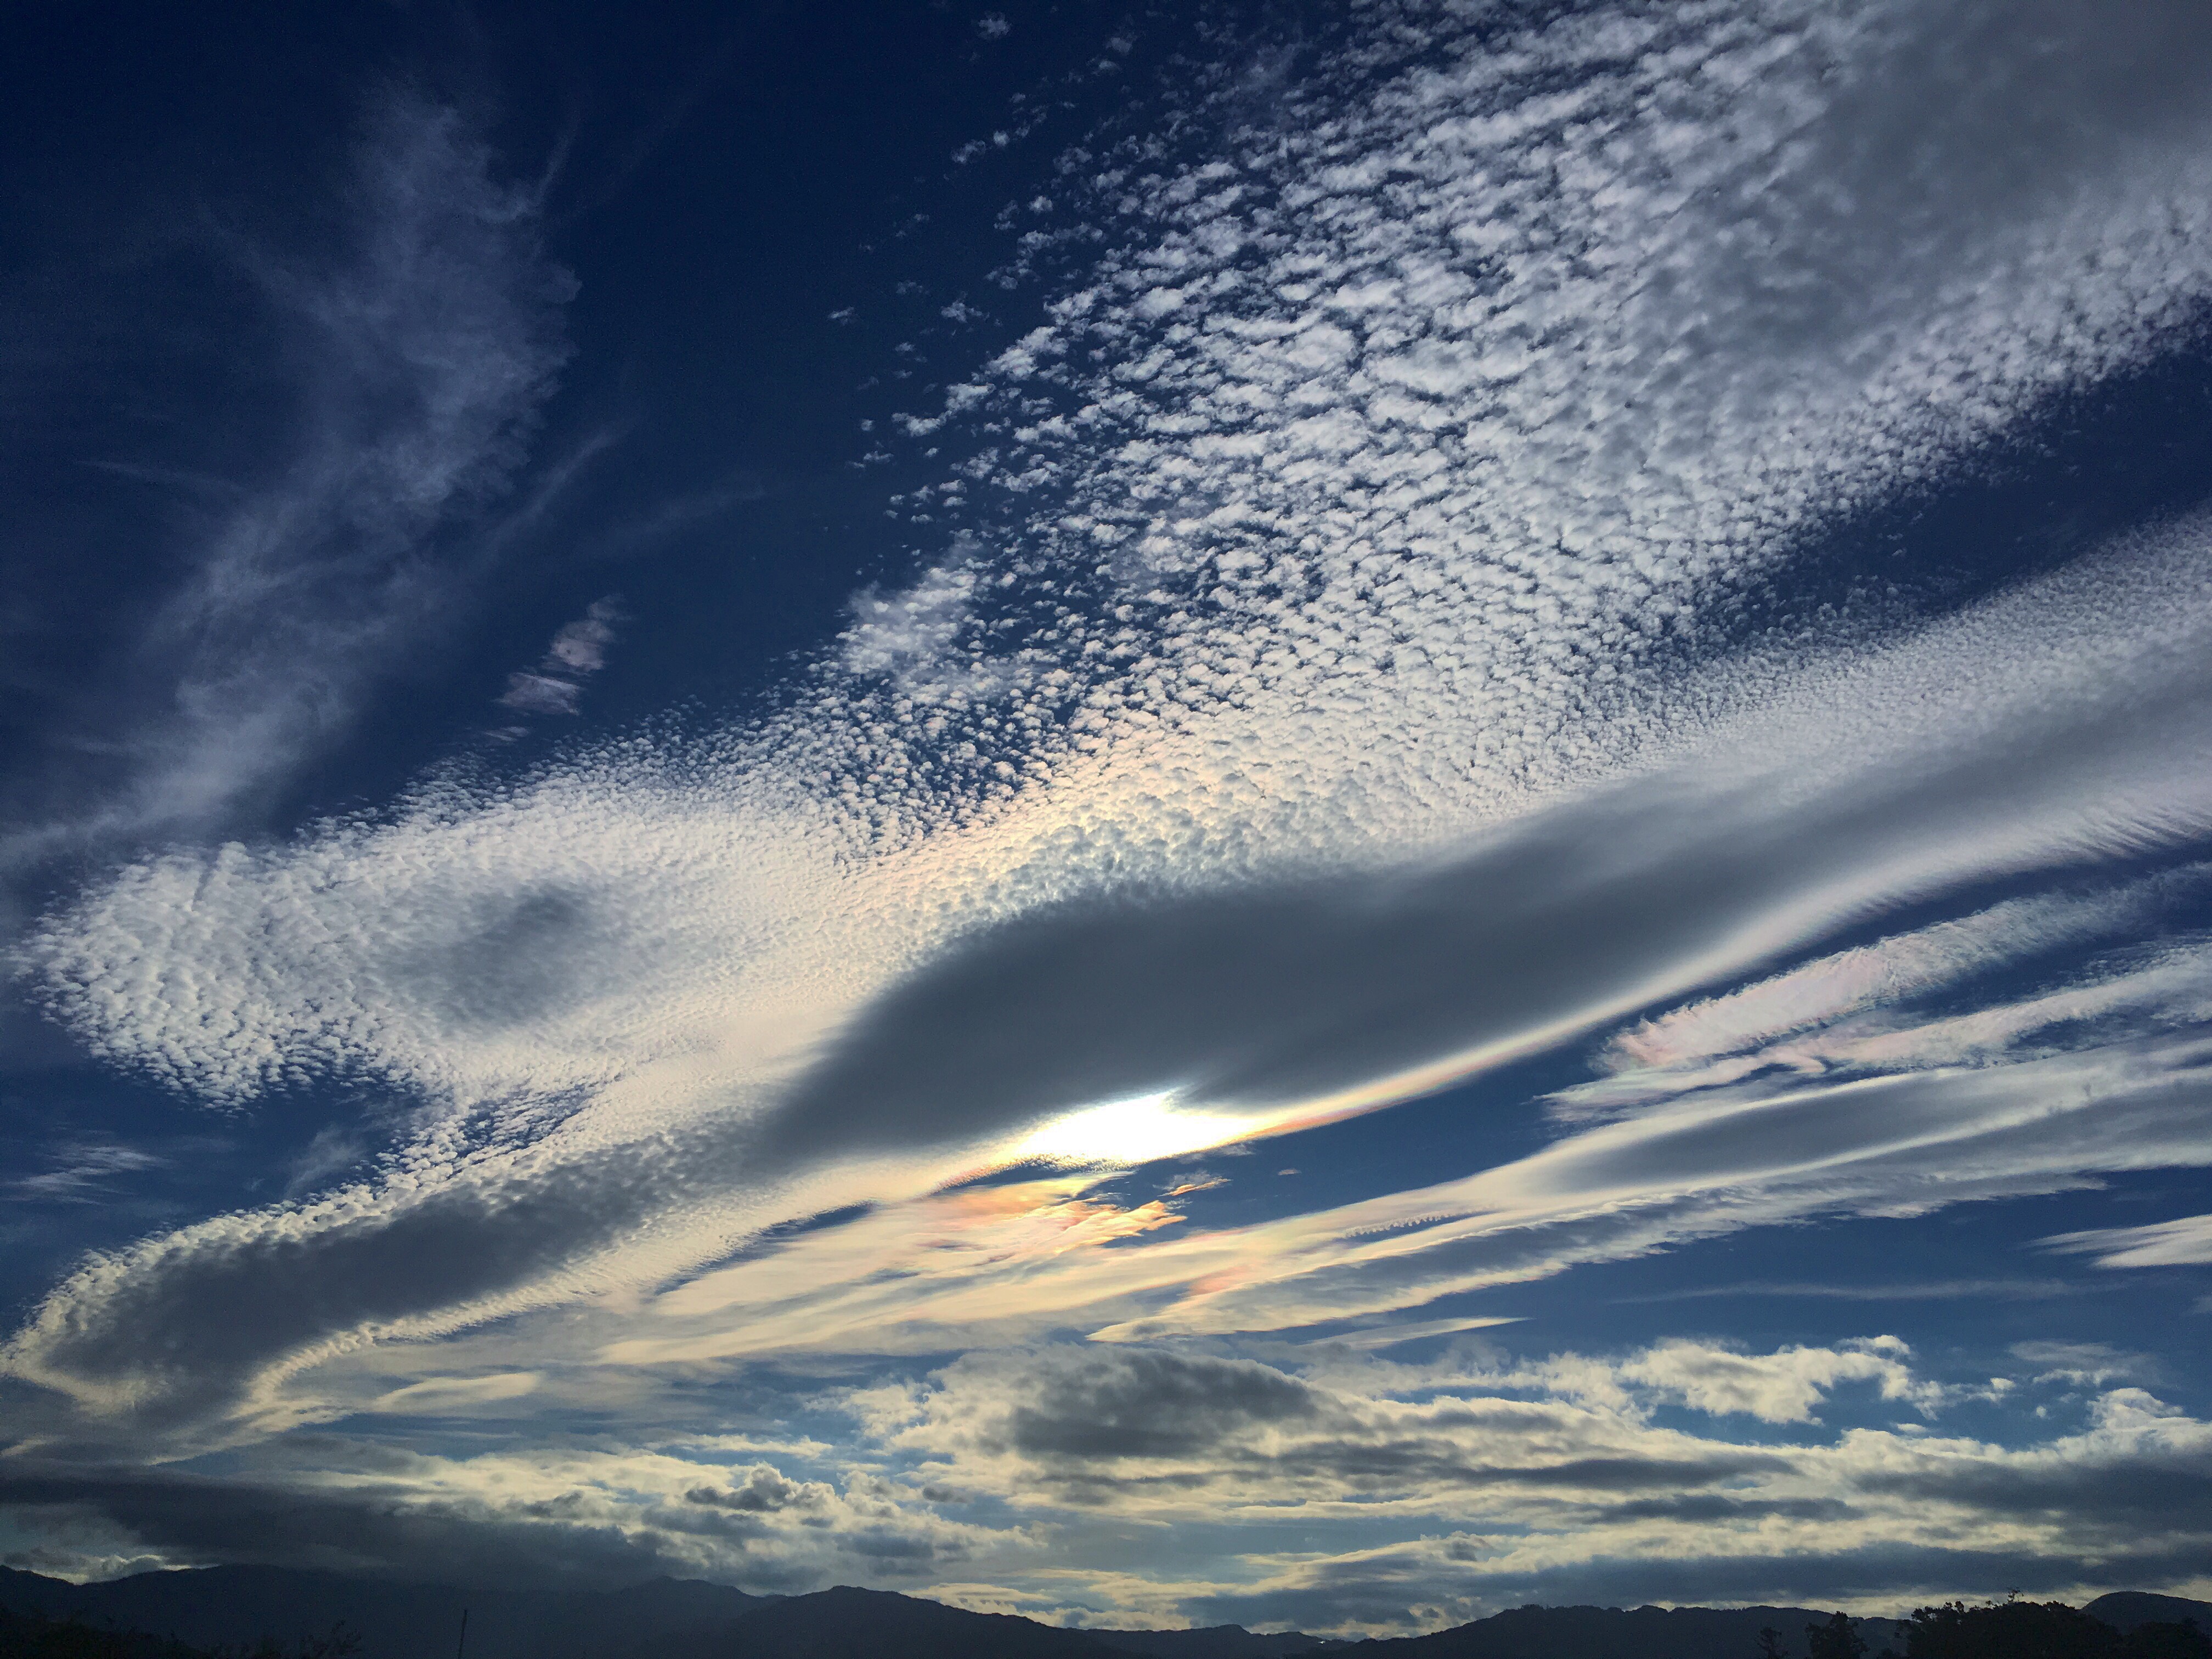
(2124, 1609)
(665, 1619)
(682, 1619)
(847, 1623)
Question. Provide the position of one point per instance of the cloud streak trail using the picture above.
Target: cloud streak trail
(423, 348)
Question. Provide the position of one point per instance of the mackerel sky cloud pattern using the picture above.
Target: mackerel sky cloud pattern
(1410, 629)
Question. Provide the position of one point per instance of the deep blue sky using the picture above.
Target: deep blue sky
(1324, 817)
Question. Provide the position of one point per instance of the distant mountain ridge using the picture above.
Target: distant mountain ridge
(2124, 1609)
(665, 1619)
(682, 1618)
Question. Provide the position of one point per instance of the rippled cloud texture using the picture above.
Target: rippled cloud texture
(1416, 620)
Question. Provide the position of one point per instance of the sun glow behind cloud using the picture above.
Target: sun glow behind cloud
(1140, 1130)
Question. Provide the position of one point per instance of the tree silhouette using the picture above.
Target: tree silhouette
(2041, 1630)
(1839, 1638)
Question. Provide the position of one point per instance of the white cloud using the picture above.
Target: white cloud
(1780, 1388)
(81, 1171)
(2184, 1242)
(1887, 973)
(578, 651)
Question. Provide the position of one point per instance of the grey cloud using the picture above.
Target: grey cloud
(390, 1530)
(763, 1490)
(1602, 1473)
(1970, 123)
(1262, 996)
(597, 1513)
(514, 957)
(1275, 992)
(1085, 1423)
(2107, 1505)
(1719, 1506)
(188, 1326)
(1150, 1405)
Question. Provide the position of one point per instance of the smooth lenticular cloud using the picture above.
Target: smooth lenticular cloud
(1335, 694)
(621, 1114)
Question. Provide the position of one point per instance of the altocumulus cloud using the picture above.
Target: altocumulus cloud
(1342, 693)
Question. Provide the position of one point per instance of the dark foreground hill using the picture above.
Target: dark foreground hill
(238, 1607)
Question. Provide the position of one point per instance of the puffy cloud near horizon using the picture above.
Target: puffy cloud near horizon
(1364, 661)
(1335, 1473)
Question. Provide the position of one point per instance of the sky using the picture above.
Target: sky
(1321, 816)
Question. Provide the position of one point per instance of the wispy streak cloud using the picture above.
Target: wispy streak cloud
(423, 348)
